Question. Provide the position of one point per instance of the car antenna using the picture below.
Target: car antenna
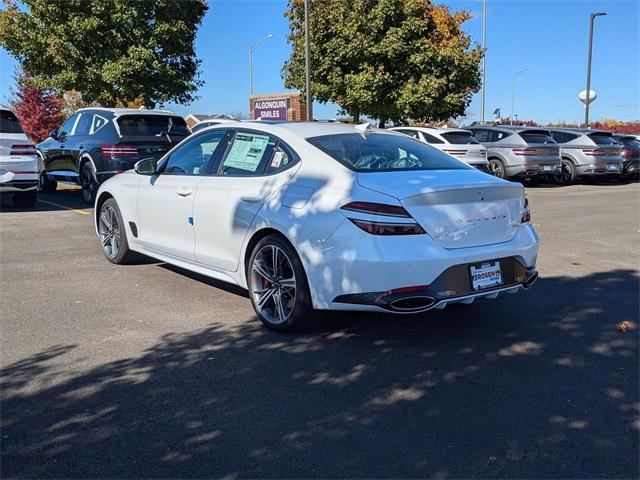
(363, 128)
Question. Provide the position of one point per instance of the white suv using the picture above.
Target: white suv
(18, 162)
(454, 141)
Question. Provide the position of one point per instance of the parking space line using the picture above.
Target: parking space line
(75, 210)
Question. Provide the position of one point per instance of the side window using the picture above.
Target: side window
(410, 133)
(280, 160)
(497, 135)
(97, 124)
(247, 154)
(559, 137)
(84, 124)
(481, 135)
(430, 138)
(193, 157)
(67, 126)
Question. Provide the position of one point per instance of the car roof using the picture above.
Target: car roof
(305, 129)
(436, 129)
(129, 111)
(512, 128)
(584, 131)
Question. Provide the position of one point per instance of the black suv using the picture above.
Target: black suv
(97, 143)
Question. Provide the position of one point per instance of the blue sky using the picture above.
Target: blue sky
(547, 36)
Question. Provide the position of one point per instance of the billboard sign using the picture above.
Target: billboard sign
(271, 109)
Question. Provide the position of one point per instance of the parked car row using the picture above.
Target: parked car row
(96, 143)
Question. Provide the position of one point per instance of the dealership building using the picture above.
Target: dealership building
(278, 106)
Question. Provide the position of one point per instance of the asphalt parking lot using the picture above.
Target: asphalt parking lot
(150, 371)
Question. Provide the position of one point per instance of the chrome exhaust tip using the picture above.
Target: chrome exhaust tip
(530, 278)
(416, 303)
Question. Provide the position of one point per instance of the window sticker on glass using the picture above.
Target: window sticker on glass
(247, 151)
(277, 159)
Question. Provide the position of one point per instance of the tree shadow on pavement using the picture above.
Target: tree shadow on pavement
(540, 384)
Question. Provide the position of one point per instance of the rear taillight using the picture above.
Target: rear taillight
(524, 151)
(628, 153)
(381, 227)
(377, 209)
(526, 214)
(594, 152)
(24, 149)
(119, 151)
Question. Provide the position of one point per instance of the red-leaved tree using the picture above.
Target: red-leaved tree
(39, 111)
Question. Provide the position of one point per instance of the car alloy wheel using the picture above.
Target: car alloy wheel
(88, 183)
(273, 284)
(109, 229)
(496, 169)
(565, 174)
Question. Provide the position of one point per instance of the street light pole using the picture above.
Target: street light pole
(513, 91)
(251, 49)
(592, 17)
(307, 63)
(484, 58)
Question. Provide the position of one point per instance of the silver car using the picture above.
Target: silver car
(454, 141)
(519, 152)
(587, 153)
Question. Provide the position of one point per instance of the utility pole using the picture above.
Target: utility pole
(592, 17)
(307, 63)
(251, 49)
(513, 91)
(484, 58)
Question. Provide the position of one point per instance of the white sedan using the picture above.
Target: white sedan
(323, 216)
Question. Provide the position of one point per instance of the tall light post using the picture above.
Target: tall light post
(251, 49)
(592, 17)
(484, 58)
(513, 91)
(307, 63)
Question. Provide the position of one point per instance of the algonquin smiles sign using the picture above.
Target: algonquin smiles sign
(271, 109)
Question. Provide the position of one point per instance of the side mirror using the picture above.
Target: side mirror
(147, 166)
(54, 133)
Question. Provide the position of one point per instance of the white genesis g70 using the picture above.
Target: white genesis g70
(323, 216)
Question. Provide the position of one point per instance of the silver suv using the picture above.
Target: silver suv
(519, 152)
(454, 141)
(587, 153)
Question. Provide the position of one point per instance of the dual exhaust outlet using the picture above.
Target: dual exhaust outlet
(420, 303)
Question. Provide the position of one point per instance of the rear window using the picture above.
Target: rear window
(602, 139)
(156, 125)
(459, 138)
(379, 152)
(9, 122)
(536, 136)
(630, 142)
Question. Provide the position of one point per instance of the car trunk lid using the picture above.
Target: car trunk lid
(457, 208)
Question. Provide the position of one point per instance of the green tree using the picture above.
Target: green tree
(387, 59)
(110, 51)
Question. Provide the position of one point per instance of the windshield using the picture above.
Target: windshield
(152, 125)
(603, 139)
(537, 136)
(460, 138)
(9, 122)
(376, 152)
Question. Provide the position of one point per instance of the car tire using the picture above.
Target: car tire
(26, 199)
(88, 183)
(279, 294)
(113, 234)
(45, 184)
(567, 174)
(497, 168)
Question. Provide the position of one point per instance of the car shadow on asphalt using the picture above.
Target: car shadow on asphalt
(63, 199)
(539, 384)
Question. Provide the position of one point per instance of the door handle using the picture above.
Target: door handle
(184, 193)
(251, 198)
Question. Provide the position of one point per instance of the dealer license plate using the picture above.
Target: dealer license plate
(613, 167)
(485, 275)
(547, 167)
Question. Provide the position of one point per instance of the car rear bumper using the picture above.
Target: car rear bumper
(600, 169)
(353, 262)
(541, 169)
(11, 181)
